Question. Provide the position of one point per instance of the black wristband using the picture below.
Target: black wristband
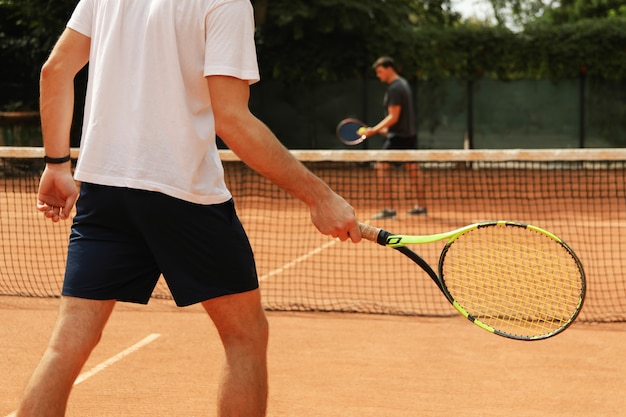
(62, 160)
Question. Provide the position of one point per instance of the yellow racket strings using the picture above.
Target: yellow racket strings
(516, 280)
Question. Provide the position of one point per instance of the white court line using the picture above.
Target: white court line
(298, 260)
(116, 358)
(110, 361)
(301, 258)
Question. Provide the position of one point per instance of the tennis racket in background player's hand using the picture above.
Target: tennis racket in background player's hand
(351, 131)
(512, 279)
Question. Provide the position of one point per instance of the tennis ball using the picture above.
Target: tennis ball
(361, 131)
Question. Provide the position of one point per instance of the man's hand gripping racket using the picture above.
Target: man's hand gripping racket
(511, 279)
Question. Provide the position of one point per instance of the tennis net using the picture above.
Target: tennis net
(580, 195)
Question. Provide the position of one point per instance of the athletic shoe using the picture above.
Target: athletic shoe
(384, 214)
(418, 211)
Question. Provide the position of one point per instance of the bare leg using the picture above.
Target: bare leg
(417, 182)
(243, 328)
(383, 181)
(77, 332)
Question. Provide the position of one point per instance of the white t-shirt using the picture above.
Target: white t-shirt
(148, 118)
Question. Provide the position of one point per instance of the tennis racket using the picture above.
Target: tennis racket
(347, 131)
(512, 279)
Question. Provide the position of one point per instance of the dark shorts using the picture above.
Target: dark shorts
(122, 240)
(400, 142)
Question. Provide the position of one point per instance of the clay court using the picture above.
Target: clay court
(356, 330)
(327, 364)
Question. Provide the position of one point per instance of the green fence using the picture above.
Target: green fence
(452, 114)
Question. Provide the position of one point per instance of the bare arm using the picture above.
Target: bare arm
(57, 189)
(393, 115)
(257, 146)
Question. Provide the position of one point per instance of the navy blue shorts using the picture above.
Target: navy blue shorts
(123, 239)
(400, 142)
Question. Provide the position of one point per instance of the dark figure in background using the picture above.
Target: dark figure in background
(399, 128)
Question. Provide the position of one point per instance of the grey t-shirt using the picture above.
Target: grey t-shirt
(399, 94)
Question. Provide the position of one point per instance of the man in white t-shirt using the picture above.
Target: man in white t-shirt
(165, 76)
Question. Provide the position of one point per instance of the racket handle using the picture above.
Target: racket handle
(370, 233)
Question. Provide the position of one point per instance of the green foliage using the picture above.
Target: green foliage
(465, 51)
(571, 11)
(328, 40)
(518, 13)
(28, 31)
(593, 47)
(305, 51)
(300, 41)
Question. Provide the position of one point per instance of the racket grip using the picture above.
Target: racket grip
(372, 233)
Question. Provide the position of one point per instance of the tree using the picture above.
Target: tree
(515, 14)
(339, 38)
(28, 31)
(570, 11)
